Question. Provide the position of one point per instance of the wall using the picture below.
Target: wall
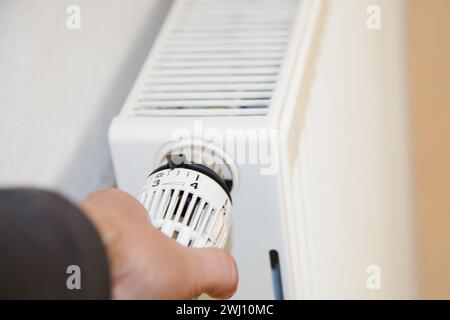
(60, 88)
(430, 80)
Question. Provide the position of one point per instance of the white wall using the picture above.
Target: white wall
(60, 88)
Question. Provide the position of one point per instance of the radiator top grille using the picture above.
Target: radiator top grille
(216, 57)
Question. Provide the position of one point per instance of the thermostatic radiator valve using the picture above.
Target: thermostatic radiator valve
(189, 202)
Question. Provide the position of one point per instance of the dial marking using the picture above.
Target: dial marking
(181, 184)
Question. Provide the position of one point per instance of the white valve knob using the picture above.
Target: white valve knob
(188, 202)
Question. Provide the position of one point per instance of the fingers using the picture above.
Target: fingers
(115, 201)
(212, 271)
(147, 264)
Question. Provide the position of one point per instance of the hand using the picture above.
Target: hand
(146, 264)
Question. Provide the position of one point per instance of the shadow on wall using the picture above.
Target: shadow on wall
(91, 166)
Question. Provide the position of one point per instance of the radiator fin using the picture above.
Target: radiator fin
(216, 57)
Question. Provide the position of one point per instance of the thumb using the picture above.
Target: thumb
(212, 271)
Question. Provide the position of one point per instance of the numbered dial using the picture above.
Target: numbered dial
(189, 204)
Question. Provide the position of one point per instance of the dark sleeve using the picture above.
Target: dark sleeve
(41, 235)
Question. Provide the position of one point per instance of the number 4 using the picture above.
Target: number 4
(194, 185)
